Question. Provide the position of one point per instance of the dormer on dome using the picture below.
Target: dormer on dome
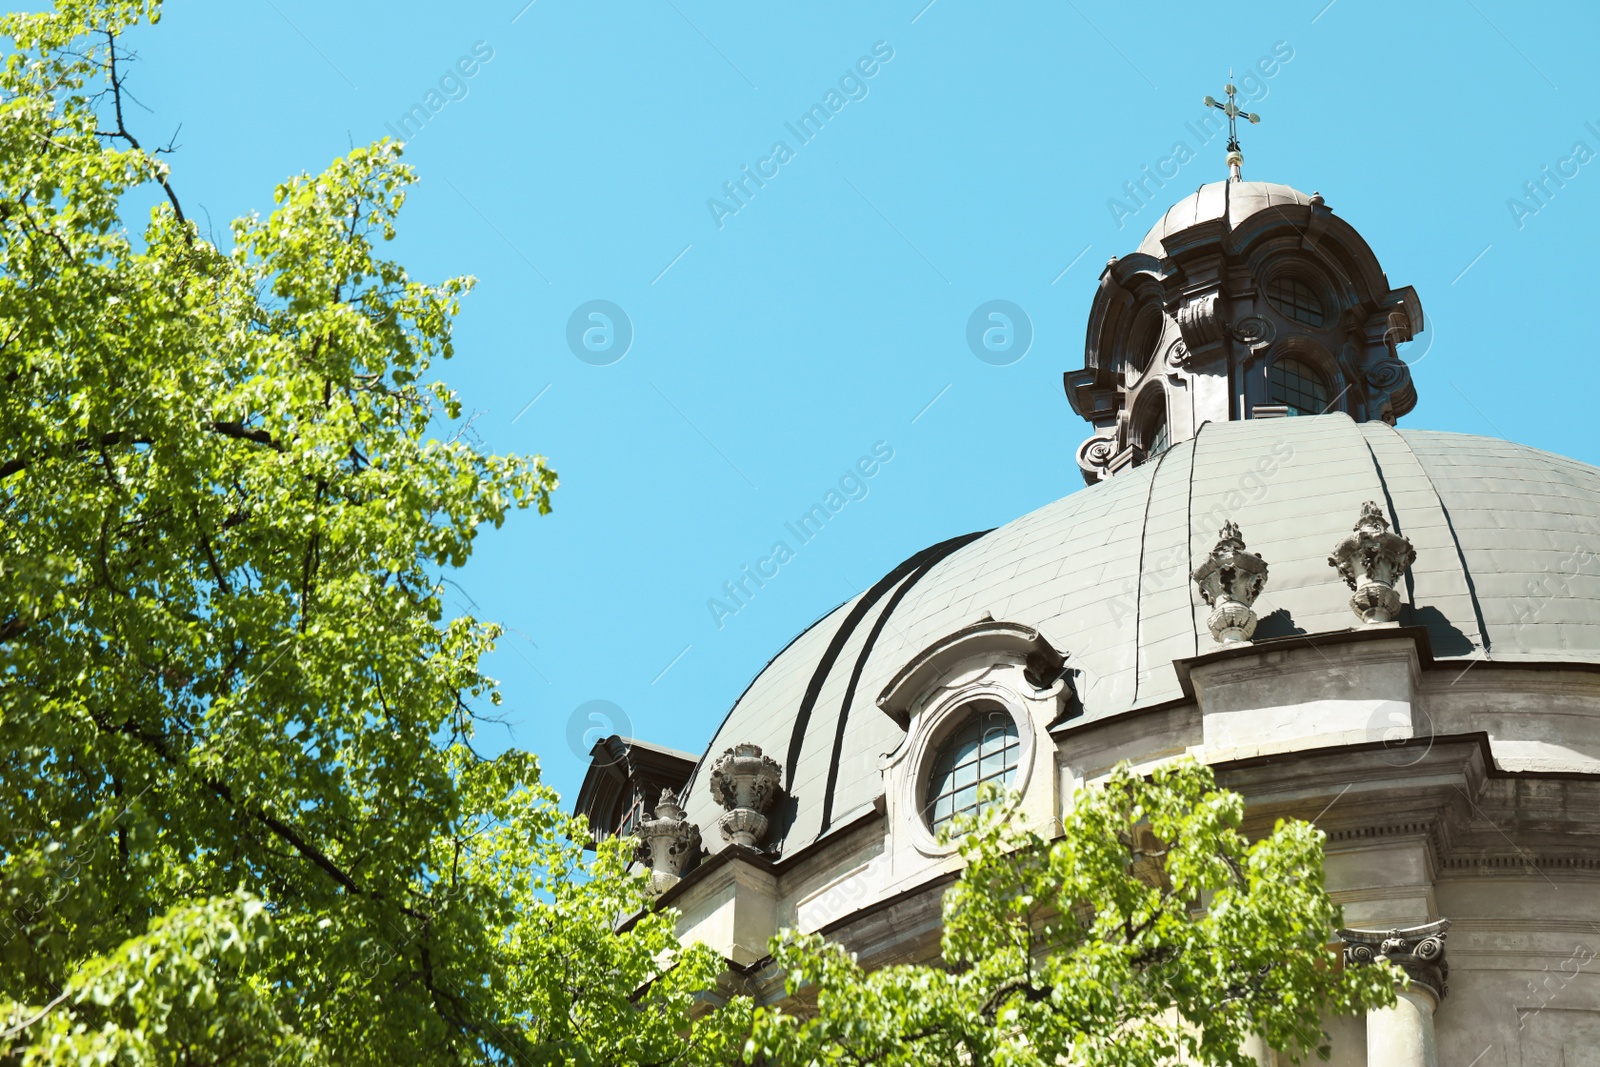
(1246, 300)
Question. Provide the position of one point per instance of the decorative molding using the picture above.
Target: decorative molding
(1417, 950)
(1178, 354)
(745, 783)
(1044, 666)
(1484, 860)
(1403, 829)
(667, 842)
(1230, 579)
(948, 707)
(1371, 560)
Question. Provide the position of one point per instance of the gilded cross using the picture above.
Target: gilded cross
(1234, 114)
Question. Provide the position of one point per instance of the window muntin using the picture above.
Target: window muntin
(1298, 386)
(1296, 300)
(631, 812)
(984, 748)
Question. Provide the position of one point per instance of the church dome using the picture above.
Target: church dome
(1231, 203)
(1103, 575)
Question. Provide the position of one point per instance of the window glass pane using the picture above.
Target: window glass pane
(966, 773)
(984, 748)
(1296, 300)
(1298, 386)
(993, 762)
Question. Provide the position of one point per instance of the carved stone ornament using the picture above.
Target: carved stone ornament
(1417, 950)
(744, 782)
(1371, 560)
(1254, 330)
(1178, 354)
(667, 842)
(1230, 579)
(1198, 320)
(1094, 457)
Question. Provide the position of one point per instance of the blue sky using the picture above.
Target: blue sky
(774, 347)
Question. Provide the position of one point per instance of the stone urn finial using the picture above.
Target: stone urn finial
(744, 782)
(1230, 579)
(1371, 560)
(667, 842)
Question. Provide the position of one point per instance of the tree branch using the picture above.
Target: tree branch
(122, 128)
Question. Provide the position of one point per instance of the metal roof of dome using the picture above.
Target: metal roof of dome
(1104, 575)
(1232, 202)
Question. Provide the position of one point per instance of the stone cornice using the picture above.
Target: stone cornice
(1417, 635)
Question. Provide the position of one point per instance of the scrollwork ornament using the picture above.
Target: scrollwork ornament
(1418, 951)
(1387, 374)
(1360, 954)
(1094, 456)
(1254, 330)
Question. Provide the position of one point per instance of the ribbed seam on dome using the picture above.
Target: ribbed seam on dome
(1455, 539)
(1144, 534)
(1394, 518)
(1188, 525)
(835, 648)
(848, 700)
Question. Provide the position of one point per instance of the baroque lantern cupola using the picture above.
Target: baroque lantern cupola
(1247, 300)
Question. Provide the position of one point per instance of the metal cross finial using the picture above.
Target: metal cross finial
(1231, 109)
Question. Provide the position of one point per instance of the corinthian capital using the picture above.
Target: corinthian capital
(1417, 950)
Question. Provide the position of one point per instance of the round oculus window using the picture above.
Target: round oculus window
(984, 748)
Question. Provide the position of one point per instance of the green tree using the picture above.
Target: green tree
(1150, 933)
(243, 821)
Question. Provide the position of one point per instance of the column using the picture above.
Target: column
(1402, 1036)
